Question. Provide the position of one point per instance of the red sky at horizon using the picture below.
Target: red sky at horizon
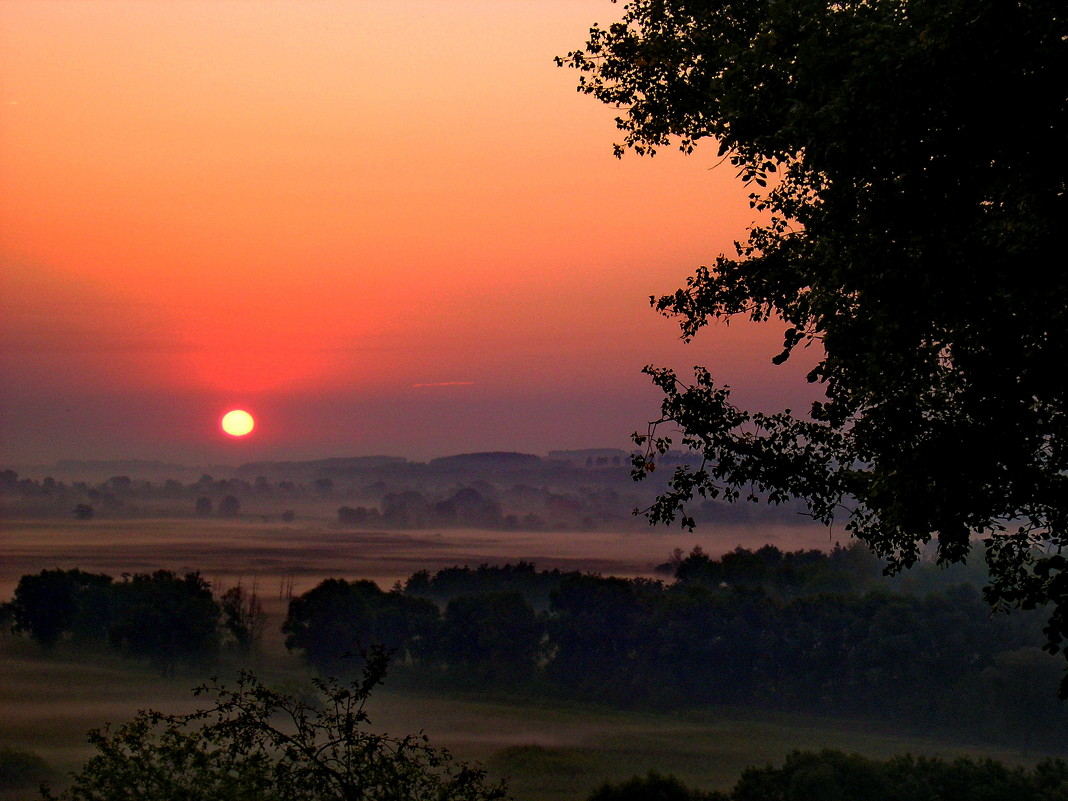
(382, 227)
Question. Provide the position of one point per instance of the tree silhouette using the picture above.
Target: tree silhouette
(910, 216)
(50, 604)
(229, 506)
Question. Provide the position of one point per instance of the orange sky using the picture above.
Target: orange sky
(383, 227)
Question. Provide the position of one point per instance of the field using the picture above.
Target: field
(548, 751)
(302, 554)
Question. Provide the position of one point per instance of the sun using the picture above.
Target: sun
(238, 423)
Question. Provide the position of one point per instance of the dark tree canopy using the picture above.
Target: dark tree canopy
(166, 619)
(824, 775)
(163, 618)
(52, 603)
(494, 636)
(904, 161)
(338, 618)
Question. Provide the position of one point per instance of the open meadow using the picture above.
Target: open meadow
(547, 749)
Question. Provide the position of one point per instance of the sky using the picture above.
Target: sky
(385, 227)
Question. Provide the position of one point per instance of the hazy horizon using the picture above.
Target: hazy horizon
(163, 464)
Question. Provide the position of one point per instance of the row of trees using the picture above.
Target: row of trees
(228, 506)
(937, 660)
(427, 501)
(852, 570)
(519, 507)
(162, 618)
(818, 776)
(411, 509)
(752, 627)
(123, 487)
(575, 500)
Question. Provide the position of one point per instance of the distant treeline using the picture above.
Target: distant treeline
(836, 776)
(384, 505)
(479, 504)
(162, 618)
(496, 491)
(763, 628)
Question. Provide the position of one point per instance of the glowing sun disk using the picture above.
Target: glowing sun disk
(237, 423)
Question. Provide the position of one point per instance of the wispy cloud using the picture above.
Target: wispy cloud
(446, 384)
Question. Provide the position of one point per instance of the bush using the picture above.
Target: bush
(21, 769)
(653, 787)
(257, 743)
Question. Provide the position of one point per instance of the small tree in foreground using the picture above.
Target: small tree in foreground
(254, 743)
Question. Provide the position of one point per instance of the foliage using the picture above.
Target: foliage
(836, 776)
(597, 633)
(910, 213)
(229, 506)
(21, 769)
(338, 618)
(785, 574)
(812, 631)
(165, 619)
(258, 743)
(243, 618)
(162, 618)
(54, 602)
(652, 787)
(495, 636)
(812, 776)
(522, 577)
(348, 516)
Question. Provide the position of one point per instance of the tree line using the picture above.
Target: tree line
(565, 499)
(828, 774)
(806, 631)
(162, 618)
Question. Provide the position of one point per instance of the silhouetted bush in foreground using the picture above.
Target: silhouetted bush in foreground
(21, 769)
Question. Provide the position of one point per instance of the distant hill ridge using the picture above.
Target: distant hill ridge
(334, 466)
(117, 464)
(487, 459)
(101, 469)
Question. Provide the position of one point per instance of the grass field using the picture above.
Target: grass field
(548, 751)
